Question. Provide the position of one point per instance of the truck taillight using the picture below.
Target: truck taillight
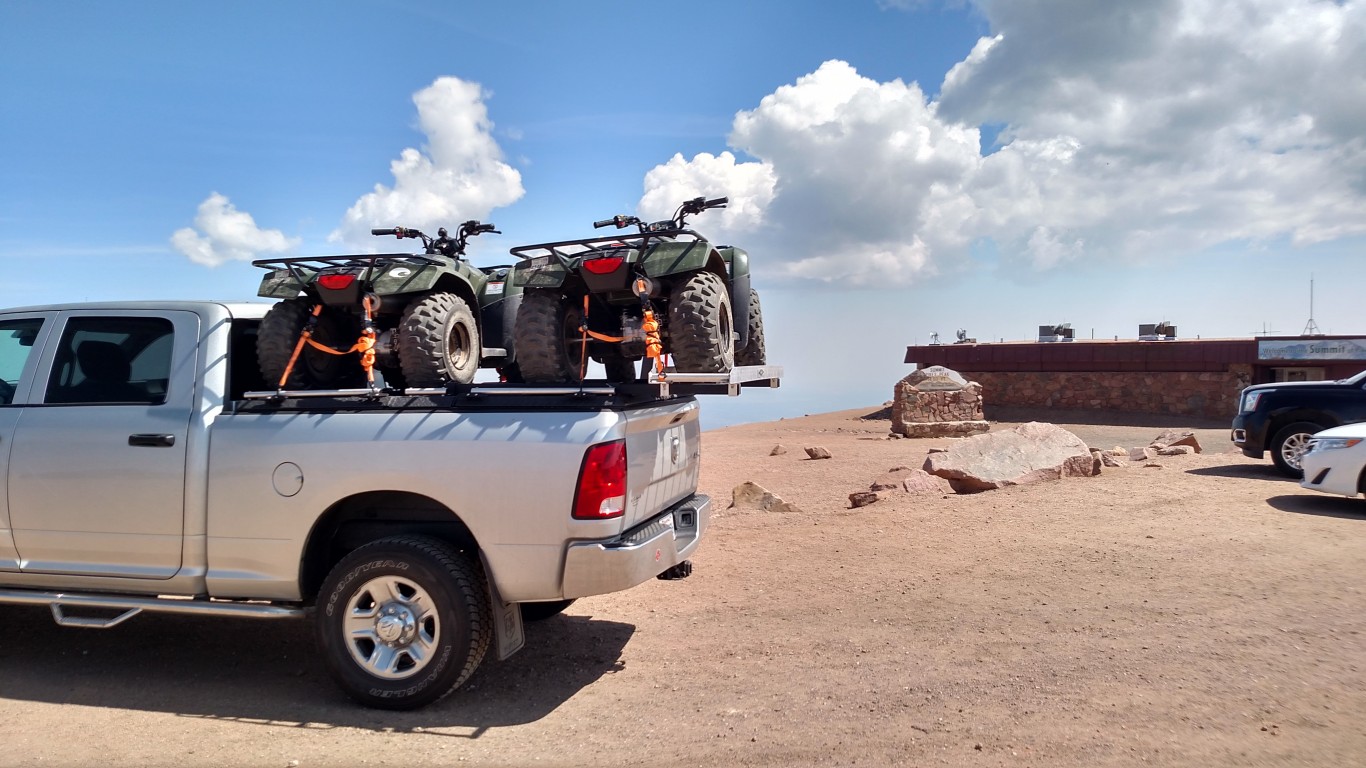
(601, 494)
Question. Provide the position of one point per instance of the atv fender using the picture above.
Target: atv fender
(739, 308)
(402, 278)
(540, 272)
(737, 261)
(279, 284)
(674, 258)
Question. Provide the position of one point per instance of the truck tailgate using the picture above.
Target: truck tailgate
(663, 454)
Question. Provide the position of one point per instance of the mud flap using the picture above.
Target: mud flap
(507, 619)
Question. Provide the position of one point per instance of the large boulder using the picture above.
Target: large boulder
(1028, 453)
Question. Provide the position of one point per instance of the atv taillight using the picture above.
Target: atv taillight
(603, 266)
(336, 282)
(601, 494)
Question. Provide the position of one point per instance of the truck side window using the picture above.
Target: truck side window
(112, 360)
(16, 343)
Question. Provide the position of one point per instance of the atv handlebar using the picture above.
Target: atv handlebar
(384, 231)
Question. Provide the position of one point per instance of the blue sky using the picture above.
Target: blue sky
(900, 167)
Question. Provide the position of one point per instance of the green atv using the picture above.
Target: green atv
(597, 299)
(419, 310)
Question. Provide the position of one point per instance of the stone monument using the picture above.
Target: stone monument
(937, 402)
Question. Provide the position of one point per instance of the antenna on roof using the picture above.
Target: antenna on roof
(1311, 328)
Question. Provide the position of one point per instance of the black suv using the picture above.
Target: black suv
(1281, 417)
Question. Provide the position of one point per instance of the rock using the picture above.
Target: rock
(862, 498)
(1152, 465)
(1142, 454)
(916, 481)
(1118, 451)
(1111, 460)
(1176, 450)
(778, 450)
(1026, 454)
(890, 480)
(936, 450)
(1096, 461)
(751, 495)
(1173, 437)
(921, 482)
(817, 452)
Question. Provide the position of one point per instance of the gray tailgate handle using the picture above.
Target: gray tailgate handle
(154, 441)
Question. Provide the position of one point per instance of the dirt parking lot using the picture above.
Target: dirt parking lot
(1206, 612)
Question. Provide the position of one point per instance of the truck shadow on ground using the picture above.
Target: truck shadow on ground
(269, 673)
(1320, 505)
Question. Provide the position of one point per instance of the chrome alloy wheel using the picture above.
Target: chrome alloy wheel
(1294, 448)
(391, 627)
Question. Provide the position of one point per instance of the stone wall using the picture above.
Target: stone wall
(1207, 395)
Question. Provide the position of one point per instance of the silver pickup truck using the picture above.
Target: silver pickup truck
(136, 474)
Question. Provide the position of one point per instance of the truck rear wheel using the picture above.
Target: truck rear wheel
(701, 336)
(1289, 445)
(753, 352)
(278, 336)
(547, 338)
(403, 621)
(439, 342)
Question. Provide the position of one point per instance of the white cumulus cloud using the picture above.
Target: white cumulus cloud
(1125, 130)
(221, 233)
(459, 175)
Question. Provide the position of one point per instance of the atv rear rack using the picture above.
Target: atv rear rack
(561, 250)
(315, 264)
(670, 385)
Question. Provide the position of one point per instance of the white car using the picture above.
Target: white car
(1335, 461)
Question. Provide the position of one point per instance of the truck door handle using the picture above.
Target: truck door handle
(155, 441)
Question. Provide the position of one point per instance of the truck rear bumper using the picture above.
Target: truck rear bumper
(599, 567)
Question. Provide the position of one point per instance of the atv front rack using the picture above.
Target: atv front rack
(314, 264)
(656, 388)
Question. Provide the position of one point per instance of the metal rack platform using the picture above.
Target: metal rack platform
(671, 384)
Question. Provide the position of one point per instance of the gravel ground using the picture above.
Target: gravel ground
(1203, 612)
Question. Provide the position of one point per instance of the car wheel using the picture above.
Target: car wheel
(1289, 445)
(403, 621)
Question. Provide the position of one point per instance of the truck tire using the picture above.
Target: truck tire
(753, 352)
(439, 341)
(278, 335)
(546, 338)
(543, 611)
(1289, 445)
(403, 621)
(701, 338)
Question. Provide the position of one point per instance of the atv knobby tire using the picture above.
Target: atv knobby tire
(753, 352)
(438, 342)
(701, 338)
(403, 621)
(278, 336)
(547, 338)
